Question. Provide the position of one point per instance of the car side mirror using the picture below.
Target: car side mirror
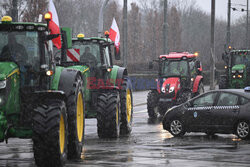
(150, 65)
(117, 54)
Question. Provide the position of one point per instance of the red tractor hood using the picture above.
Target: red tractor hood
(168, 84)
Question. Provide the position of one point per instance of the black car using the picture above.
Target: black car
(221, 111)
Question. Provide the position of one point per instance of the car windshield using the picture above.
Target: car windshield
(240, 58)
(175, 68)
(20, 47)
(87, 52)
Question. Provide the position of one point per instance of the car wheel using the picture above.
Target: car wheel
(176, 128)
(243, 130)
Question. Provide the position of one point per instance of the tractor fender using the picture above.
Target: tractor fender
(197, 81)
(67, 80)
(49, 94)
(118, 74)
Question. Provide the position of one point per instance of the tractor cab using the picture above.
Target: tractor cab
(180, 77)
(21, 51)
(237, 69)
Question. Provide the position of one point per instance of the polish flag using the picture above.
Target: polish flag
(115, 34)
(54, 25)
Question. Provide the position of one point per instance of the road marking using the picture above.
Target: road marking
(142, 111)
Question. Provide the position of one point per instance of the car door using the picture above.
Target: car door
(200, 111)
(225, 111)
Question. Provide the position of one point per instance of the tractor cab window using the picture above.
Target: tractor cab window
(22, 48)
(85, 52)
(106, 56)
(175, 68)
(240, 58)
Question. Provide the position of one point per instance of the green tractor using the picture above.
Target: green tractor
(38, 99)
(107, 88)
(237, 69)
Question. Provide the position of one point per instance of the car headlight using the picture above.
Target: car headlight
(163, 90)
(233, 71)
(2, 84)
(241, 71)
(171, 89)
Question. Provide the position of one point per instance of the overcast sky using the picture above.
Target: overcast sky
(221, 7)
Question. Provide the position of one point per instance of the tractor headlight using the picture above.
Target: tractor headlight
(163, 90)
(171, 89)
(1, 100)
(239, 76)
(233, 71)
(2, 84)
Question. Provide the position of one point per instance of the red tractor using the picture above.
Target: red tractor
(180, 78)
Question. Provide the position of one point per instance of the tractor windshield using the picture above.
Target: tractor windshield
(240, 58)
(86, 52)
(174, 68)
(20, 47)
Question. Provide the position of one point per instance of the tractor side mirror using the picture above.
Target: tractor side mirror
(117, 54)
(197, 64)
(150, 65)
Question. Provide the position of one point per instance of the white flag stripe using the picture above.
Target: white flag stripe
(114, 26)
(52, 9)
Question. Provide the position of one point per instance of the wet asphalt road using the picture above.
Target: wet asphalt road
(148, 145)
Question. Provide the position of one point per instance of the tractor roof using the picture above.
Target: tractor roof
(23, 26)
(179, 55)
(92, 39)
(239, 51)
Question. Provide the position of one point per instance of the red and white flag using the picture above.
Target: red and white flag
(115, 34)
(54, 24)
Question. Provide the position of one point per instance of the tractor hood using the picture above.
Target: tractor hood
(7, 69)
(238, 67)
(170, 85)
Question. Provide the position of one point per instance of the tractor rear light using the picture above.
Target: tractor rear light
(49, 73)
(192, 79)
(2, 84)
(109, 69)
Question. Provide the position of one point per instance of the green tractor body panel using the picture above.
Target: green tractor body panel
(9, 96)
(239, 82)
(56, 77)
(113, 75)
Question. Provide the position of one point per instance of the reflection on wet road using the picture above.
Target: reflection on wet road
(148, 145)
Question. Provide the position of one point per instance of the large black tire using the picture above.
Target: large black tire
(176, 128)
(108, 115)
(50, 132)
(76, 119)
(243, 129)
(223, 83)
(152, 102)
(126, 108)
